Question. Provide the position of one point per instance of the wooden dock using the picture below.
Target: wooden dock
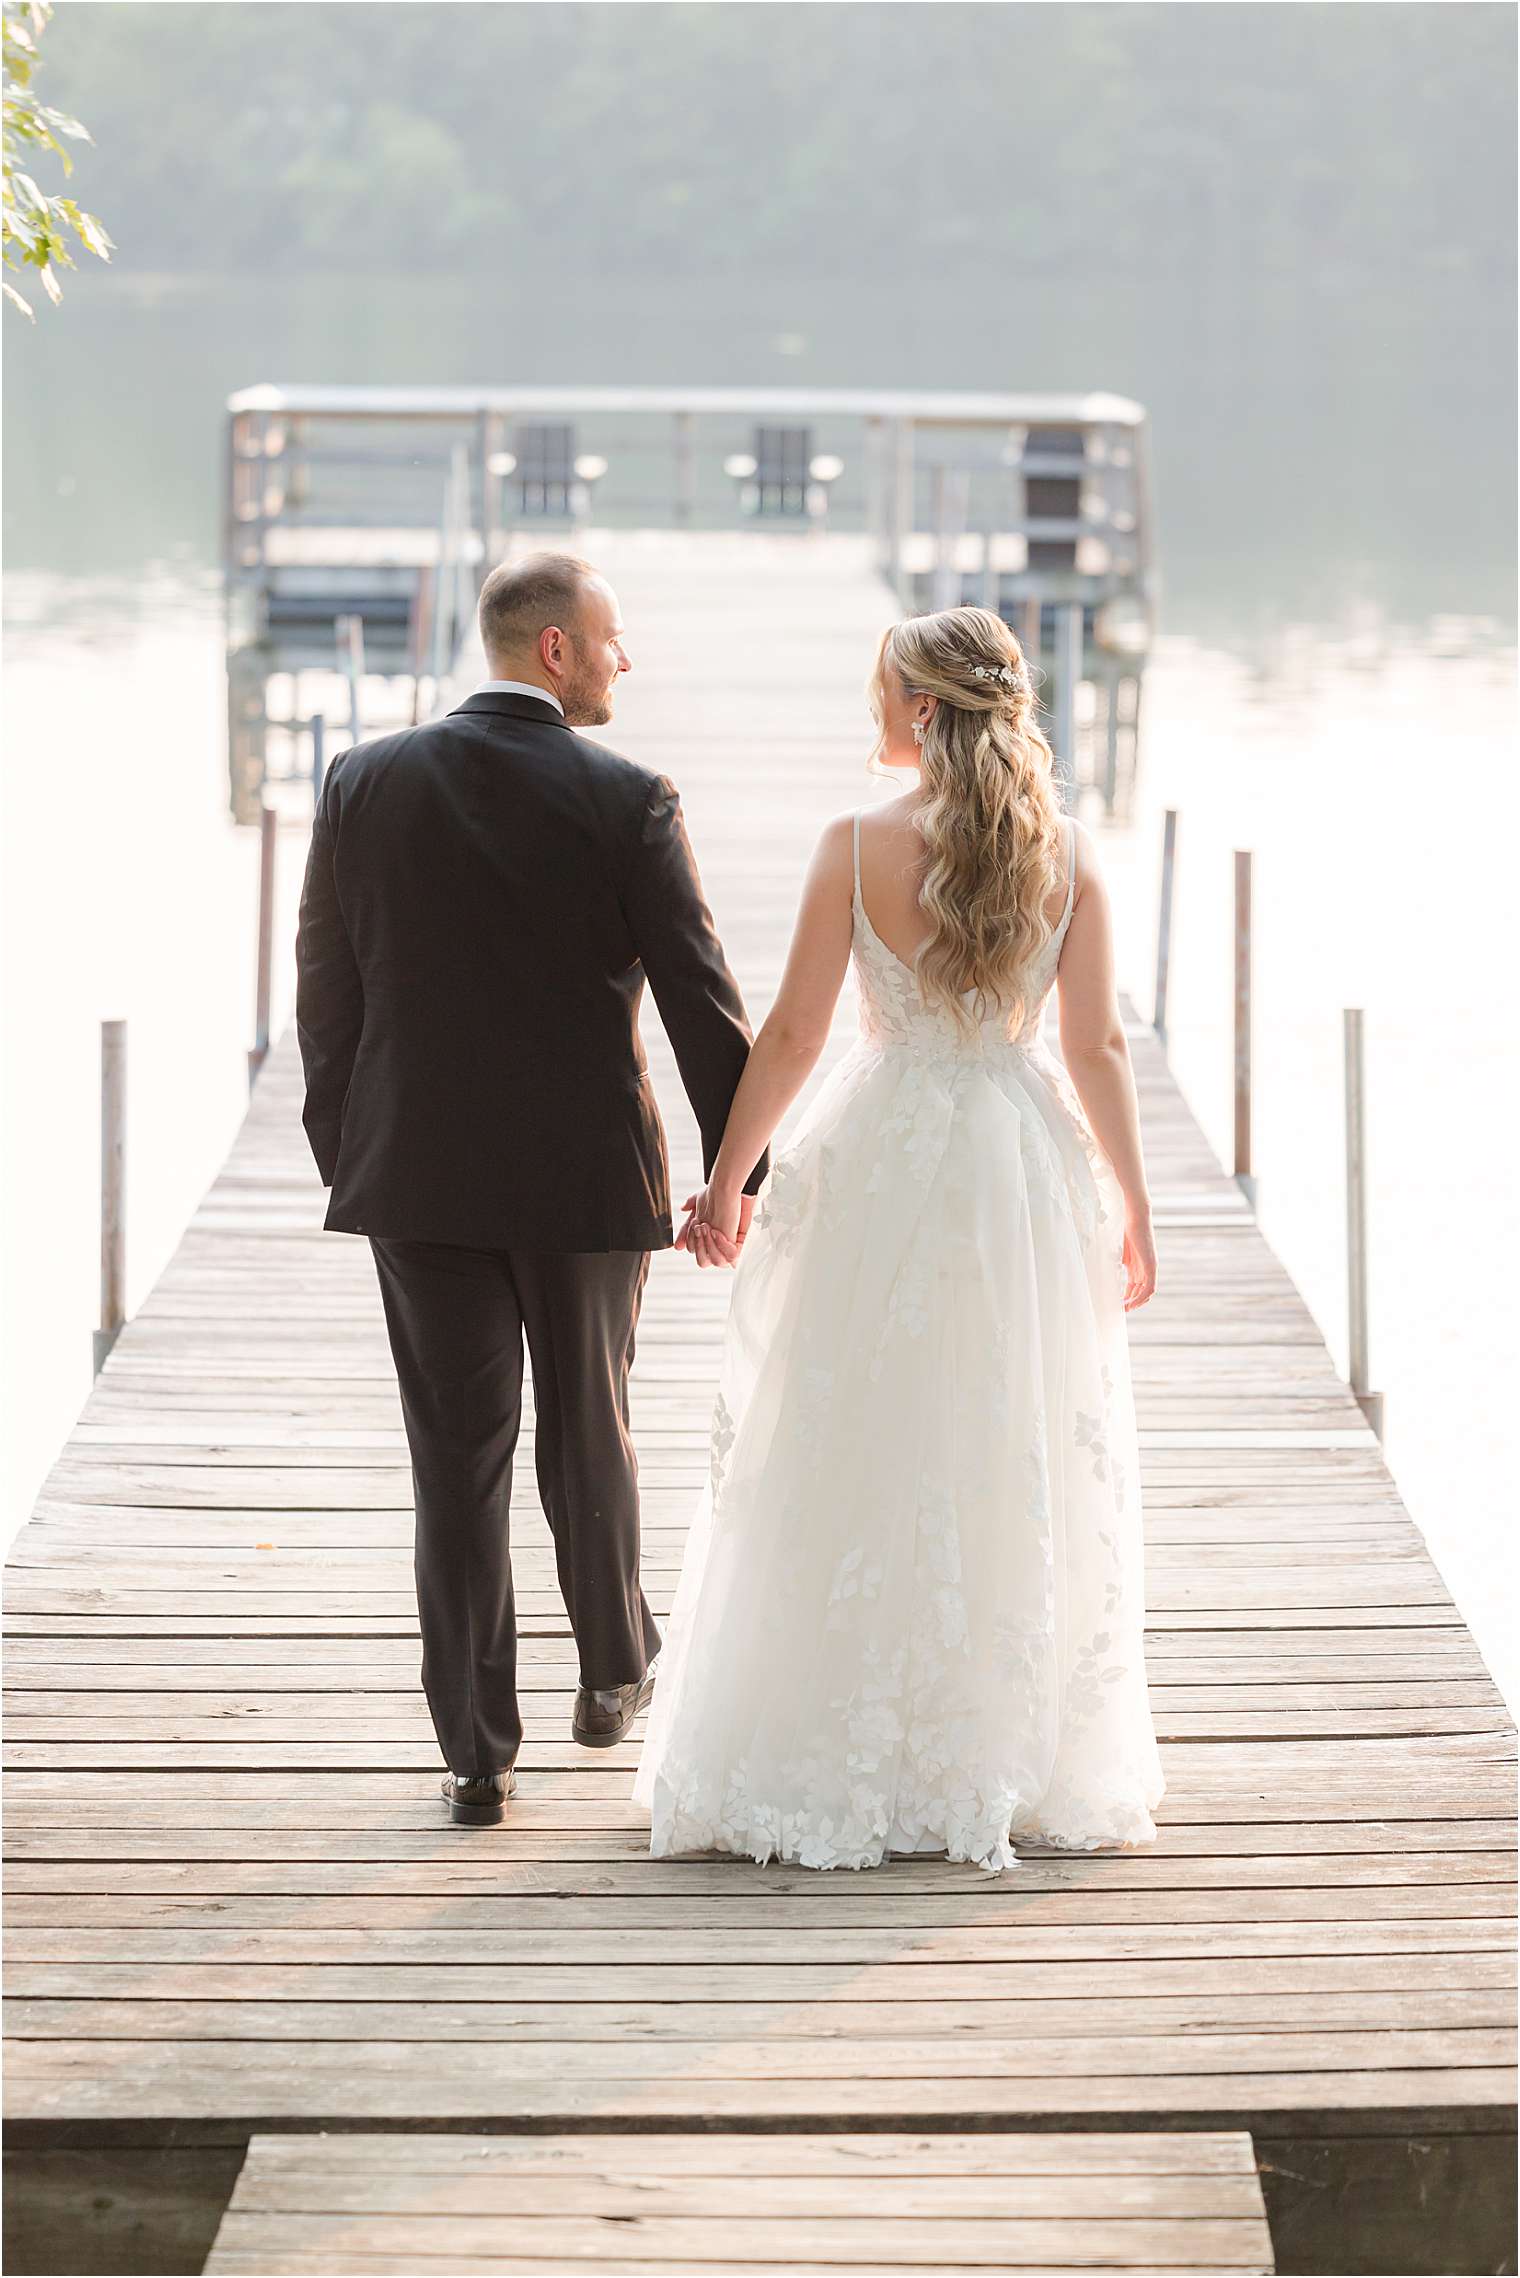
(234, 1905)
(726, 2203)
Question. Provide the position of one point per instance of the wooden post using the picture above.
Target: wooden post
(268, 827)
(1370, 1403)
(113, 1187)
(1164, 922)
(1244, 1178)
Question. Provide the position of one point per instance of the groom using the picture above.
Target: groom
(484, 898)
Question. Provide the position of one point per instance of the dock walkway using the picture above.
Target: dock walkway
(234, 1905)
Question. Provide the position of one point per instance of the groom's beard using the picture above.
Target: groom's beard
(587, 699)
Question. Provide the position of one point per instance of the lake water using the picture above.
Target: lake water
(1333, 688)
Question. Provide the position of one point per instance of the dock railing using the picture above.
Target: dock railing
(1036, 505)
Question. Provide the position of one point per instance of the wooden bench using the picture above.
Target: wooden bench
(745, 2203)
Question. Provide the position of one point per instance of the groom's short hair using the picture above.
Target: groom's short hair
(520, 598)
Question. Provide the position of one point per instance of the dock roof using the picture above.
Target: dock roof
(925, 406)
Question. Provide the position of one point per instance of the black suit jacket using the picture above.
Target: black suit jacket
(483, 900)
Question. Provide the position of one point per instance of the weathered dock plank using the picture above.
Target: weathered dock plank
(234, 1906)
(880, 2203)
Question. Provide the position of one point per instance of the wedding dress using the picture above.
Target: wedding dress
(910, 1613)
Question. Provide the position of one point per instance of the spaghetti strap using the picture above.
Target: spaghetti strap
(1071, 865)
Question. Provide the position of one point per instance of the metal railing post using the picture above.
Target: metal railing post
(350, 634)
(1110, 685)
(1029, 632)
(685, 448)
(465, 592)
(264, 963)
(1069, 674)
(936, 532)
(874, 453)
(1244, 1177)
(1370, 1403)
(318, 756)
(952, 499)
(482, 488)
(1164, 922)
(901, 495)
(113, 1187)
(440, 597)
(990, 580)
(422, 632)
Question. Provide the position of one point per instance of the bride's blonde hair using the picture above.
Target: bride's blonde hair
(991, 817)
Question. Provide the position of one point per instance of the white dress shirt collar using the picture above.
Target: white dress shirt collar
(520, 688)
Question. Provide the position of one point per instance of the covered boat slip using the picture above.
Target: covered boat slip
(235, 1907)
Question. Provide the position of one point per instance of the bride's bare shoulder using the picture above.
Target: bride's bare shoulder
(1085, 852)
(833, 856)
(837, 834)
(880, 821)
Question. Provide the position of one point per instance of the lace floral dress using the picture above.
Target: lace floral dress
(910, 1614)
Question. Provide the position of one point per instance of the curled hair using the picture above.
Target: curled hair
(991, 816)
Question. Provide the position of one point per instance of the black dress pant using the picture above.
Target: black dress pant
(457, 1318)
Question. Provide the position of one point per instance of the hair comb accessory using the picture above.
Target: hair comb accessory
(1003, 672)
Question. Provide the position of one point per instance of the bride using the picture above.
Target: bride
(911, 1609)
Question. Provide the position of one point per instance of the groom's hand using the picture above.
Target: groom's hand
(715, 1228)
(683, 1236)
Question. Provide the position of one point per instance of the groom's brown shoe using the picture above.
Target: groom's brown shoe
(478, 1803)
(602, 1717)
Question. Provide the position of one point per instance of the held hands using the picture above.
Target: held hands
(716, 1223)
(715, 1226)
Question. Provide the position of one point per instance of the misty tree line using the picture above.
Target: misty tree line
(943, 140)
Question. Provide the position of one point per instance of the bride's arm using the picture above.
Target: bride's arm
(794, 1031)
(1096, 1054)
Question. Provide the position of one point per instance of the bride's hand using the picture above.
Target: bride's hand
(1139, 1259)
(715, 1226)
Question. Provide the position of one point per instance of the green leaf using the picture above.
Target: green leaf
(93, 235)
(61, 123)
(36, 224)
